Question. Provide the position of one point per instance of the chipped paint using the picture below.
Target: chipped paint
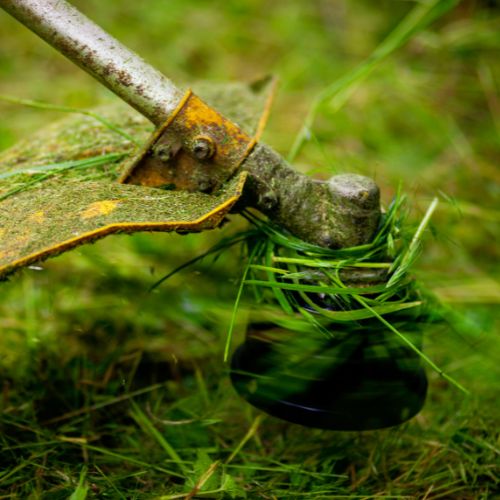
(98, 208)
(37, 217)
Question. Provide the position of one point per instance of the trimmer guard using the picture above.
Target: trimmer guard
(75, 206)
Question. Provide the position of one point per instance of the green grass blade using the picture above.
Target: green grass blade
(144, 422)
(330, 263)
(128, 458)
(336, 95)
(366, 312)
(277, 290)
(412, 346)
(217, 248)
(268, 269)
(66, 109)
(411, 253)
(251, 432)
(82, 489)
(44, 172)
(229, 336)
(299, 287)
(24, 186)
(50, 168)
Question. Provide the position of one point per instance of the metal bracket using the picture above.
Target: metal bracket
(196, 149)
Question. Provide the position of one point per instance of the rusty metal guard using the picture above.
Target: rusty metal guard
(196, 149)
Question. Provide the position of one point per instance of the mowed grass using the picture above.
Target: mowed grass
(112, 391)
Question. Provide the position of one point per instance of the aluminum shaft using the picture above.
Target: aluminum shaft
(126, 74)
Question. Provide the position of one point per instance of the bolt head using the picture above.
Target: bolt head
(268, 200)
(163, 152)
(203, 147)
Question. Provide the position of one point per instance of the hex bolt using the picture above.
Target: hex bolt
(203, 147)
(205, 185)
(268, 200)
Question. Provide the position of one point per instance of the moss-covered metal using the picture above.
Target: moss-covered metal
(42, 215)
(342, 212)
(197, 148)
(61, 215)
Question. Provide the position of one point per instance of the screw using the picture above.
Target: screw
(268, 200)
(205, 185)
(163, 152)
(203, 147)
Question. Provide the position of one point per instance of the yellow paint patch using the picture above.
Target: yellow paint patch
(37, 217)
(99, 208)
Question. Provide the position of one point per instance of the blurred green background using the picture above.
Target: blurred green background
(84, 330)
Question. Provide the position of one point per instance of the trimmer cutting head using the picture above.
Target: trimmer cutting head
(361, 380)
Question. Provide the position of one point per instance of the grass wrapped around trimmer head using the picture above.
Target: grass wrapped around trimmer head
(299, 276)
(311, 289)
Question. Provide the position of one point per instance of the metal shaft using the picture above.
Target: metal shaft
(87, 45)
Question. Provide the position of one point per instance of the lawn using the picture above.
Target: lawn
(111, 390)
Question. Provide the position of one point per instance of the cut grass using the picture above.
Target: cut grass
(326, 293)
(32, 176)
(66, 109)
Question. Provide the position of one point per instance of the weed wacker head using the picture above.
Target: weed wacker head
(334, 341)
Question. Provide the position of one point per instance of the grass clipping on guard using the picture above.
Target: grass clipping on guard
(51, 208)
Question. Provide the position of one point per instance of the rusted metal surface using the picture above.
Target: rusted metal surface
(86, 44)
(197, 149)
